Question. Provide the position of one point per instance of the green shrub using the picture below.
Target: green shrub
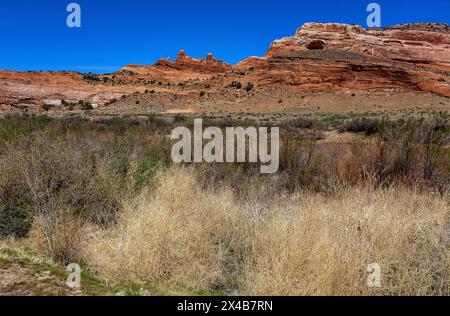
(16, 210)
(301, 122)
(362, 125)
(236, 84)
(112, 101)
(179, 118)
(91, 77)
(86, 106)
(47, 107)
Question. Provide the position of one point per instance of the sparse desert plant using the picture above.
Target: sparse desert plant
(301, 122)
(47, 107)
(16, 209)
(401, 147)
(362, 125)
(435, 136)
(91, 77)
(298, 162)
(85, 106)
(236, 84)
(112, 101)
(59, 234)
(179, 118)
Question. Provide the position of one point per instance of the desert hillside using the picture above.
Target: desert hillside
(331, 67)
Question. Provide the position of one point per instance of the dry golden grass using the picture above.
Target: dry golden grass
(179, 235)
(302, 244)
(311, 245)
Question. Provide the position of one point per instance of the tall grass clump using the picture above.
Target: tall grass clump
(315, 245)
(176, 235)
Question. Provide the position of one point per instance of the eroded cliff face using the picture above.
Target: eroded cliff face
(425, 45)
(320, 56)
(360, 75)
(333, 56)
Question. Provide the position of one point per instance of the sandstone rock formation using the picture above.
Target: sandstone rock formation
(32, 90)
(425, 45)
(210, 65)
(338, 55)
(183, 63)
(320, 56)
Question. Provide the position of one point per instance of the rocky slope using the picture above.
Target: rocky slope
(319, 57)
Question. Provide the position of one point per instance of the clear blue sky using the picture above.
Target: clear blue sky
(34, 35)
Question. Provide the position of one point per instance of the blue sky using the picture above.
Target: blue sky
(34, 34)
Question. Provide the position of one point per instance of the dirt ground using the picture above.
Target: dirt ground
(24, 274)
(18, 279)
(268, 103)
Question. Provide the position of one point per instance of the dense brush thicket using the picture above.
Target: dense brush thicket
(105, 192)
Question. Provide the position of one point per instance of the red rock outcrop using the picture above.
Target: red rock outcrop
(210, 65)
(250, 63)
(31, 90)
(335, 56)
(334, 69)
(426, 45)
(183, 63)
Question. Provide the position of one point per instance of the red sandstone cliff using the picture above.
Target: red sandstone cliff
(333, 56)
(320, 56)
(426, 45)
